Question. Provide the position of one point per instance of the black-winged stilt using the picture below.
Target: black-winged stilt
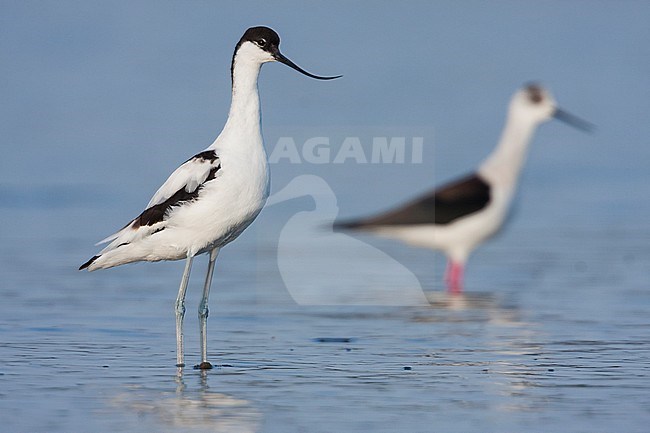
(458, 216)
(213, 196)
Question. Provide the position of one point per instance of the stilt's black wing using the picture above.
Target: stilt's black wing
(443, 206)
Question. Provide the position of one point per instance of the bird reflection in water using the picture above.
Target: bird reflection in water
(187, 408)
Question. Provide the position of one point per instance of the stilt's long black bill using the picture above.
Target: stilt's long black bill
(280, 58)
(573, 120)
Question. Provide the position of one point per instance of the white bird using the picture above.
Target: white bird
(212, 197)
(458, 216)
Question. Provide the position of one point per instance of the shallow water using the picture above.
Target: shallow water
(551, 335)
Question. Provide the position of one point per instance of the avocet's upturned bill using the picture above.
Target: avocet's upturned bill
(213, 196)
(459, 216)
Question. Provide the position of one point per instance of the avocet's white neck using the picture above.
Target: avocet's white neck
(243, 124)
(506, 161)
(245, 104)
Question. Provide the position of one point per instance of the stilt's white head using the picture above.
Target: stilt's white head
(535, 104)
(260, 45)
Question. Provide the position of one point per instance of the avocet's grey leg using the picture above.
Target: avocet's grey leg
(180, 312)
(203, 312)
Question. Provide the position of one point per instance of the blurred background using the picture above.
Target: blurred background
(102, 100)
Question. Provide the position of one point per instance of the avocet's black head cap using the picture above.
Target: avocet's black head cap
(268, 40)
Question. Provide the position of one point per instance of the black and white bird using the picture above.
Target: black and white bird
(458, 216)
(212, 197)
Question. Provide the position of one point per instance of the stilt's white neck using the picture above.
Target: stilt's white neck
(506, 161)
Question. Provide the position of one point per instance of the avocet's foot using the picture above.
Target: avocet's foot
(205, 365)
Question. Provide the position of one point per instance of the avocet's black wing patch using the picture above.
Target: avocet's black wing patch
(186, 183)
(189, 176)
(183, 185)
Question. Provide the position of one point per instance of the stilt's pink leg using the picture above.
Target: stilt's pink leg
(454, 277)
